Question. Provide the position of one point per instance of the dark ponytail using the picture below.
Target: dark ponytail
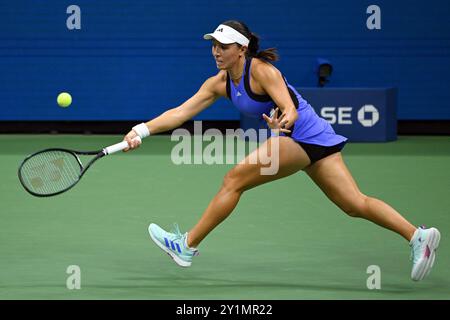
(268, 55)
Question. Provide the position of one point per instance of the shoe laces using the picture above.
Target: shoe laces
(415, 248)
(180, 236)
(176, 231)
(413, 252)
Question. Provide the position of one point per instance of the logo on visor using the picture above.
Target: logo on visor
(219, 30)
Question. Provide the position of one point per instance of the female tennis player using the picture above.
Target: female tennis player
(304, 141)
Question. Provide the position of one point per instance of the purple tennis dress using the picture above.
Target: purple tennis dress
(309, 127)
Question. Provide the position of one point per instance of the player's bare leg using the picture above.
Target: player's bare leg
(244, 176)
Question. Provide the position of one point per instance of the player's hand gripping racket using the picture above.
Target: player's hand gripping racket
(53, 171)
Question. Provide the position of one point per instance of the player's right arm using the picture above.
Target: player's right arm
(212, 89)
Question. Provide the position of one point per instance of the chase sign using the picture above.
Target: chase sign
(360, 114)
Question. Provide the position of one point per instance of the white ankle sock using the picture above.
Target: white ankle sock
(185, 243)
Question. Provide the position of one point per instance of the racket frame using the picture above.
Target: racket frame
(75, 153)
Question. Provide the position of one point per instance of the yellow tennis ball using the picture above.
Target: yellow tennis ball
(64, 99)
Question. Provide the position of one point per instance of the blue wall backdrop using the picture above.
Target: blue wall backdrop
(132, 60)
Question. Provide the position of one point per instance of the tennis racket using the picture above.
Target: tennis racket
(53, 171)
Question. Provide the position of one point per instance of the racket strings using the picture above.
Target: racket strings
(50, 172)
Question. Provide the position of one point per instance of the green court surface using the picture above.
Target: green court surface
(285, 240)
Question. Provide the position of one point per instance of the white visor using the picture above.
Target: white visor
(226, 35)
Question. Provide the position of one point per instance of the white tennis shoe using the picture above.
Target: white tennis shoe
(423, 251)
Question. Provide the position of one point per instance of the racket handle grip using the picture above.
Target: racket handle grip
(119, 146)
